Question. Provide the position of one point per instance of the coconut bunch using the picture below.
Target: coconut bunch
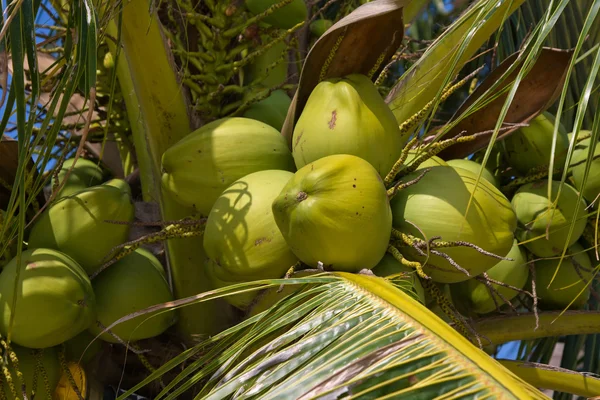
(65, 299)
(553, 257)
(354, 194)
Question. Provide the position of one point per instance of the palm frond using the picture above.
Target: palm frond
(349, 335)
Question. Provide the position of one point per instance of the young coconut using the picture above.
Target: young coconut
(536, 215)
(475, 296)
(401, 276)
(55, 300)
(319, 26)
(285, 17)
(591, 189)
(77, 224)
(336, 211)
(474, 168)
(531, 147)
(241, 237)
(85, 174)
(568, 284)
(272, 110)
(348, 116)
(133, 283)
(198, 168)
(436, 206)
(35, 367)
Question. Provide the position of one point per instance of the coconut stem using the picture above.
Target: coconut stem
(15, 362)
(332, 53)
(415, 119)
(182, 229)
(6, 371)
(399, 186)
(532, 176)
(435, 242)
(460, 324)
(403, 156)
(65, 367)
(411, 264)
(493, 292)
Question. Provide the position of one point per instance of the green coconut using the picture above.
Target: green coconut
(568, 283)
(28, 366)
(82, 348)
(475, 168)
(85, 174)
(531, 147)
(437, 205)
(262, 71)
(347, 116)
(591, 189)
(55, 300)
(284, 17)
(433, 161)
(319, 27)
(335, 211)
(537, 216)
(120, 184)
(476, 294)
(241, 237)
(272, 110)
(134, 283)
(198, 168)
(77, 224)
(402, 276)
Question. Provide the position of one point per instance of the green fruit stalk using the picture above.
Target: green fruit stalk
(437, 206)
(135, 282)
(348, 116)
(285, 17)
(568, 282)
(336, 211)
(531, 147)
(474, 168)
(408, 280)
(77, 224)
(84, 175)
(536, 215)
(272, 110)
(198, 168)
(55, 300)
(591, 189)
(28, 365)
(476, 296)
(241, 238)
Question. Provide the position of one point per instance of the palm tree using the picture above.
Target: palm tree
(121, 82)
